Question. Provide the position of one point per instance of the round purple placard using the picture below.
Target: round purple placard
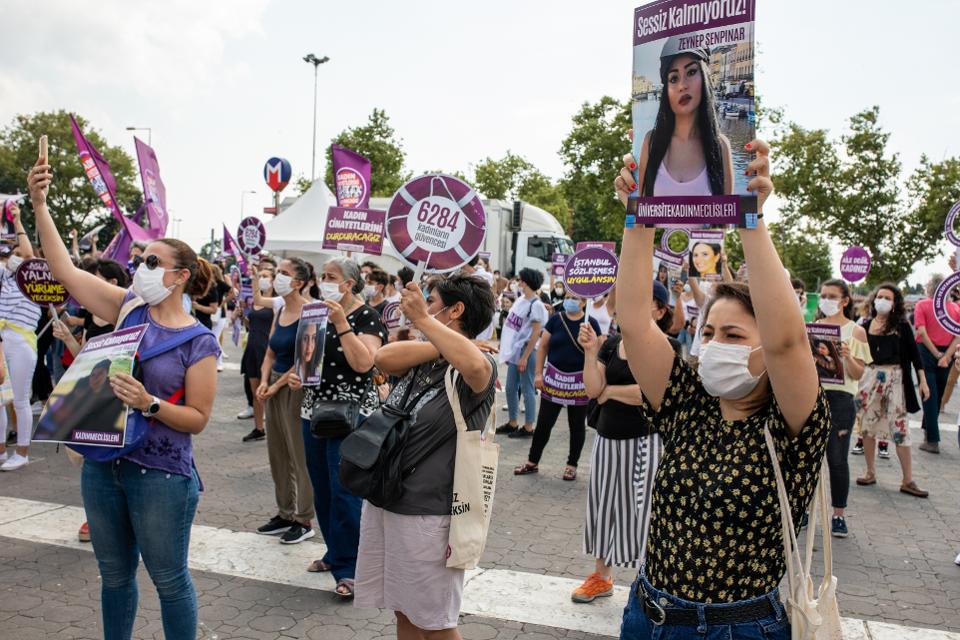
(940, 298)
(948, 225)
(438, 220)
(591, 272)
(36, 283)
(855, 264)
(251, 236)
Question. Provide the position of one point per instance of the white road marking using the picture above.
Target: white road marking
(494, 593)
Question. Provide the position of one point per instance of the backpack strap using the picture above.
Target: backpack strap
(134, 309)
(182, 337)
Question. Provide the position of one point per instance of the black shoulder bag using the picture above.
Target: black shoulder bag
(370, 456)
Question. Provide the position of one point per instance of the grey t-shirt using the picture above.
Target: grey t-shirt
(428, 485)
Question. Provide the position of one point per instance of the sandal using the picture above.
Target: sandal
(525, 469)
(867, 480)
(345, 588)
(570, 474)
(318, 566)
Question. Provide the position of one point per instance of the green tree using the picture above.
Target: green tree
(211, 249)
(803, 256)
(514, 177)
(593, 154)
(378, 142)
(73, 202)
(850, 191)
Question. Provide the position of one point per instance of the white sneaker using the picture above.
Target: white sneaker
(246, 414)
(36, 408)
(15, 462)
(4, 456)
(219, 368)
(957, 561)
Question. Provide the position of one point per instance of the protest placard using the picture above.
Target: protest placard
(354, 229)
(705, 258)
(825, 345)
(311, 337)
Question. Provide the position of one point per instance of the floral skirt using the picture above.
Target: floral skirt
(882, 409)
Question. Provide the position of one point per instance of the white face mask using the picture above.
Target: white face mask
(829, 307)
(558, 290)
(265, 284)
(148, 284)
(13, 262)
(883, 306)
(331, 291)
(724, 372)
(514, 287)
(369, 291)
(282, 284)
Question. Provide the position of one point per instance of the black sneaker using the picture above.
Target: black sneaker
(506, 427)
(276, 526)
(839, 528)
(883, 450)
(254, 435)
(520, 432)
(858, 447)
(297, 533)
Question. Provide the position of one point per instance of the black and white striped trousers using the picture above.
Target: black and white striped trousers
(619, 499)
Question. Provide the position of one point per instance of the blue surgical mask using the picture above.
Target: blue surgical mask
(571, 305)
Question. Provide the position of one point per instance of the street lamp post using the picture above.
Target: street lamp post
(147, 129)
(242, 194)
(316, 62)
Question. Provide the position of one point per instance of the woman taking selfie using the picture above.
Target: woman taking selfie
(715, 552)
(143, 504)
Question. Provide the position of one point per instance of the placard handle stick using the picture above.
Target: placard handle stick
(417, 274)
(56, 316)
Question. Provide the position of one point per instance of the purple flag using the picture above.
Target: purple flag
(351, 177)
(230, 247)
(98, 172)
(154, 193)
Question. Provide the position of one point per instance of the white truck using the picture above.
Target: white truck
(518, 235)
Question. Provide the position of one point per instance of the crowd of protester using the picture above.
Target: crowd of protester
(678, 374)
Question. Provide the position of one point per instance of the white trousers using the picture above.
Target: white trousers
(21, 361)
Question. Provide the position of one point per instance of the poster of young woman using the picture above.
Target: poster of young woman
(83, 408)
(825, 346)
(706, 259)
(561, 387)
(693, 112)
(311, 336)
(667, 267)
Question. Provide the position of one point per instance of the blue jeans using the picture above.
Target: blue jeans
(338, 511)
(937, 381)
(133, 512)
(522, 382)
(638, 626)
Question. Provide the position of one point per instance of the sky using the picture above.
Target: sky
(223, 85)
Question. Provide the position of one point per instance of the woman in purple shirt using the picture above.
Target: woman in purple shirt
(143, 504)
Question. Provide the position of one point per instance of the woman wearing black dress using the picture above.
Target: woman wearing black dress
(259, 321)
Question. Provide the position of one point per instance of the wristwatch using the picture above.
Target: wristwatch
(152, 409)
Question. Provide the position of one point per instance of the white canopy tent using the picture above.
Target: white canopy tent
(298, 231)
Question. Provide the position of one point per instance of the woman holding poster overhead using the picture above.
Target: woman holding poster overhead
(19, 318)
(836, 308)
(143, 503)
(353, 335)
(559, 377)
(886, 389)
(685, 154)
(715, 551)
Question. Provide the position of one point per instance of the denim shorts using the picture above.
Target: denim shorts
(637, 625)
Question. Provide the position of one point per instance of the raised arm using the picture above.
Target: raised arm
(98, 296)
(457, 349)
(783, 337)
(649, 353)
(594, 377)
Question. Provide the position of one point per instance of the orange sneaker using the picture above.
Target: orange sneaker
(84, 534)
(596, 586)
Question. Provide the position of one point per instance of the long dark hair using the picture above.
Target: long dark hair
(844, 291)
(897, 315)
(707, 127)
